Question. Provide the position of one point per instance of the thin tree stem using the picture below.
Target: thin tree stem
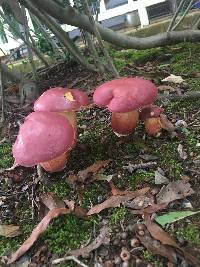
(175, 15)
(2, 95)
(98, 36)
(196, 24)
(47, 36)
(183, 16)
(60, 34)
(40, 55)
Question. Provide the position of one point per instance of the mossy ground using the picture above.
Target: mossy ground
(97, 142)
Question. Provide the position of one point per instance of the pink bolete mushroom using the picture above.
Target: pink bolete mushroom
(123, 97)
(44, 138)
(154, 120)
(63, 101)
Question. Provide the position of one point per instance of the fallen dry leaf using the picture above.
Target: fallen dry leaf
(173, 79)
(102, 238)
(173, 191)
(166, 124)
(9, 230)
(83, 175)
(160, 177)
(115, 201)
(182, 153)
(51, 201)
(70, 204)
(140, 202)
(166, 88)
(154, 246)
(37, 231)
(159, 234)
(150, 209)
(115, 191)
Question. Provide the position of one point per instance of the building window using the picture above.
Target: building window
(114, 3)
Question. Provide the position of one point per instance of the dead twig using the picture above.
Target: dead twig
(70, 258)
(183, 16)
(132, 167)
(2, 96)
(175, 16)
(176, 97)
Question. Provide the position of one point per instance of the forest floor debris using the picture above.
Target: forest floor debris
(98, 171)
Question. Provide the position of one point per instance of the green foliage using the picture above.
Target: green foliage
(6, 158)
(174, 216)
(67, 232)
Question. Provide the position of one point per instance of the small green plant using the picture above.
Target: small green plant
(190, 233)
(118, 215)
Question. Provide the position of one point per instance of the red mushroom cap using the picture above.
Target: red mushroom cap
(150, 112)
(42, 137)
(125, 94)
(60, 99)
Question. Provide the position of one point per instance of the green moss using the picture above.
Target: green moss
(140, 177)
(60, 188)
(169, 158)
(67, 232)
(118, 215)
(191, 233)
(185, 59)
(122, 57)
(149, 257)
(6, 158)
(93, 193)
(8, 245)
(191, 141)
(194, 84)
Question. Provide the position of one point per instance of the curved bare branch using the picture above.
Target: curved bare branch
(71, 16)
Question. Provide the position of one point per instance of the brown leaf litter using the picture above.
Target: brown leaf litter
(154, 246)
(88, 173)
(159, 234)
(37, 231)
(102, 238)
(173, 191)
(116, 200)
(9, 230)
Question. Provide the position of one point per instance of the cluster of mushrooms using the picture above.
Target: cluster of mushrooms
(50, 132)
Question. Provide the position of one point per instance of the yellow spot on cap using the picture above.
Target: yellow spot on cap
(69, 96)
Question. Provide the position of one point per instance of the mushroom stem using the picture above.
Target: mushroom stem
(124, 123)
(57, 164)
(153, 126)
(71, 117)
